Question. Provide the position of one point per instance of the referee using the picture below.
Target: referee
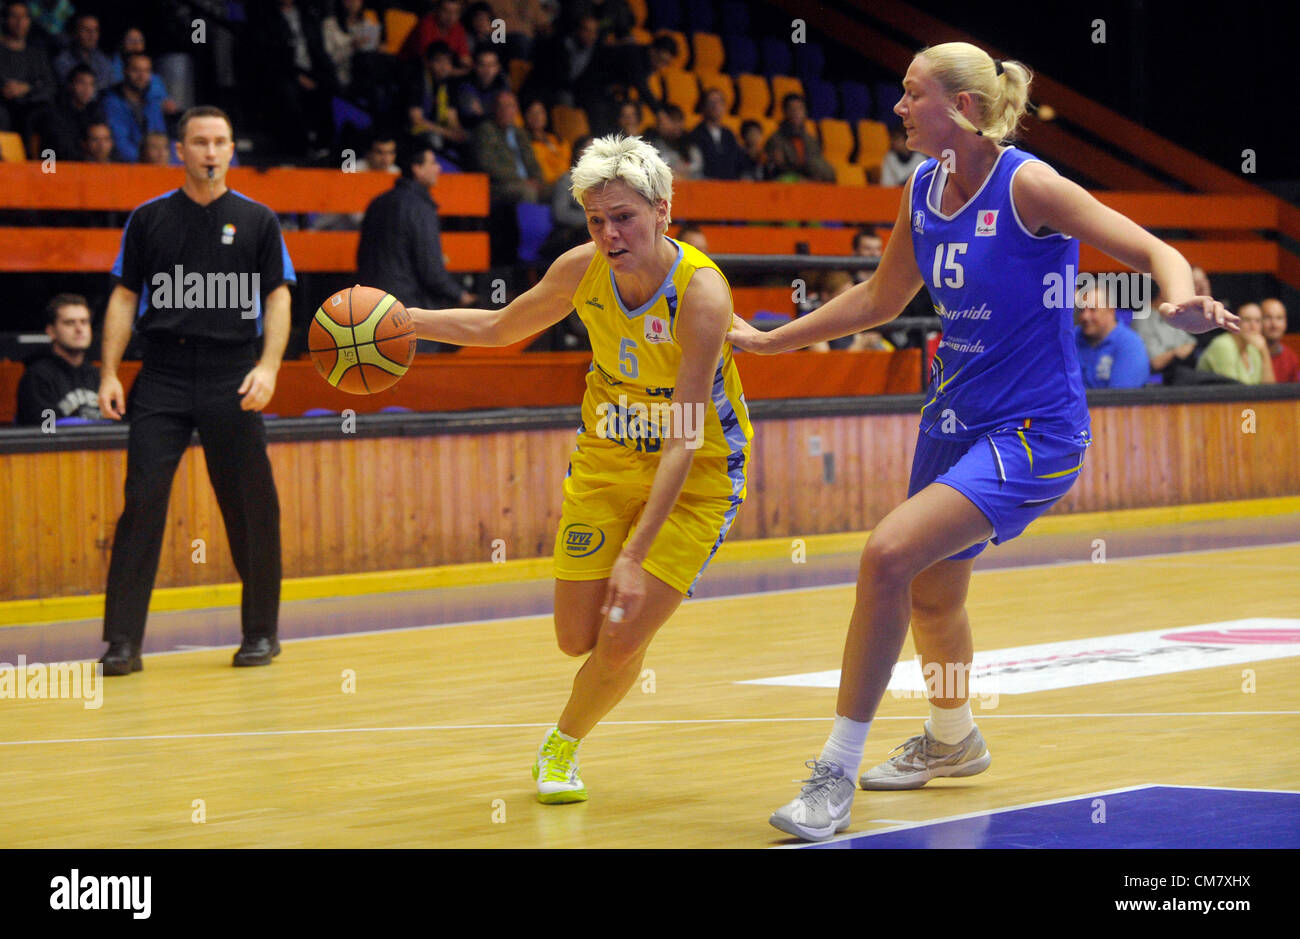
(203, 273)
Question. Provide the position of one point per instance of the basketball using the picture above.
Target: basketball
(362, 340)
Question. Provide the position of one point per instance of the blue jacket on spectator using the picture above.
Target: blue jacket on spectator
(129, 124)
(1118, 361)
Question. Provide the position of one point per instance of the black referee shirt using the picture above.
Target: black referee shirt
(202, 272)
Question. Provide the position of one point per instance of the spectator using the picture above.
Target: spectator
(502, 151)
(85, 51)
(50, 17)
(61, 380)
(1171, 352)
(156, 149)
(630, 117)
(381, 157)
(831, 285)
(97, 144)
(26, 81)
(299, 78)
(1286, 364)
(133, 41)
(61, 127)
(478, 26)
(614, 18)
(791, 150)
(570, 220)
(525, 20)
(1111, 355)
(669, 138)
(866, 244)
(431, 106)
(720, 153)
(351, 31)
(554, 155)
(401, 239)
(477, 92)
(899, 162)
(691, 235)
(130, 112)
(1242, 356)
(754, 163)
(573, 69)
(439, 24)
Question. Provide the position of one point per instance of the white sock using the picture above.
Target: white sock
(563, 736)
(950, 725)
(844, 746)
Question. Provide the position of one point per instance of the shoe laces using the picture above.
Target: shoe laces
(558, 757)
(915, 750)
(821, 781)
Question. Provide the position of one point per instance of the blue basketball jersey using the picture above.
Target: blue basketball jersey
(1006, 299)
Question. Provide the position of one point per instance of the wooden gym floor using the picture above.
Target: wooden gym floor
(386, 731)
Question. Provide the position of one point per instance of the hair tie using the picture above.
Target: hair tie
(997, 66)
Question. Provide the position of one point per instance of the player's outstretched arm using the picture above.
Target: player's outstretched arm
(869, 304)
(1045, 199)
(542, 305)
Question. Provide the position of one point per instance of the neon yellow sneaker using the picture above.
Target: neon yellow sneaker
(556, 771)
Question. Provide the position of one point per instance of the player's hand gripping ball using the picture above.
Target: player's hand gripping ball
(362, 340)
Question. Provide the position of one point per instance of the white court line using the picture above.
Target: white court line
(524, 726)
(903, 826)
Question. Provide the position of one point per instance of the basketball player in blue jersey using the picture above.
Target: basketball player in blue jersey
(993, 233)
(658, 471)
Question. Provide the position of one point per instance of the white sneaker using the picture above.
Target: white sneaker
(924, 758)
(822, 808)
(556, 771)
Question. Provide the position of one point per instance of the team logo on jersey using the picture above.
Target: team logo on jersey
(582, 540)
(592, 301)
(918, 222)
(987, 223)
(656, 330)
(227, 234)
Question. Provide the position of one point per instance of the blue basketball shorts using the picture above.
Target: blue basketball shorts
(1011, 475)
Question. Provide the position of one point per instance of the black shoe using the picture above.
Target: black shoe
(257, 651)
(122, 658)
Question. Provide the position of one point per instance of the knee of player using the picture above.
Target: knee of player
(886, 559)
(572, 641)
(621, 646)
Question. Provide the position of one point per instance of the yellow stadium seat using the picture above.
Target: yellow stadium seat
(708, 52)
(398, 25)
(569, 123)
(783, 85)
(848, 174)
(642, 36)
(11, 148)
(837, 139)
(683, 47)
(732, 122)
(755, 96)
(720, 81)
(638, 9)
(873, 143)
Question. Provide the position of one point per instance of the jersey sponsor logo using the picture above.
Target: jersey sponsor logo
(918, 222)
(592, 301)
(656, 330)
(582, 540)
(228, 234)
(986, 223)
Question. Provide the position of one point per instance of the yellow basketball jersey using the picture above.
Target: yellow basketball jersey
(635, 357)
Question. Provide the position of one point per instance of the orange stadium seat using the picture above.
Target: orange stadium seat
(755, 96)
(519, 69)
(848, 174)
(398, 25)
(680, 88)
(642, 36)
(837, 139)
(569, 123)
(873, 143)
(638, 9)
(720, 81)
(683, 47)
(11, 148)
(783, 85)
(708, 52)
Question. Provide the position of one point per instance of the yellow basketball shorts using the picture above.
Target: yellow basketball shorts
(605, 493)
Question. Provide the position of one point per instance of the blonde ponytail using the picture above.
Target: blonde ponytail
(1000, 87)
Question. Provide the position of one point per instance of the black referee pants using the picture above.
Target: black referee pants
(182, 386)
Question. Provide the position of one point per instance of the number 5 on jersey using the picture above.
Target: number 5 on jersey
(627, 358)
(950, 269)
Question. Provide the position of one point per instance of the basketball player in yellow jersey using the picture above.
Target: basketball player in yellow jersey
(659, 468)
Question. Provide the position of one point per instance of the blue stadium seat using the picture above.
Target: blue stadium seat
(809, 60)
(742, 55)
(855, 101)
(733, 19)
(319, 412)
(664, 14)
(396, 409)
(886, 95)
(699, 17)
(346, 113)
(777, 59)
(821, 98)
(535, 223)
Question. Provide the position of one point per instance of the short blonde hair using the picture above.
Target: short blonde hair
(628, 159)
(1002, 96)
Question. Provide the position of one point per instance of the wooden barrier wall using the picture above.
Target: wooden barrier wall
(367, 504)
